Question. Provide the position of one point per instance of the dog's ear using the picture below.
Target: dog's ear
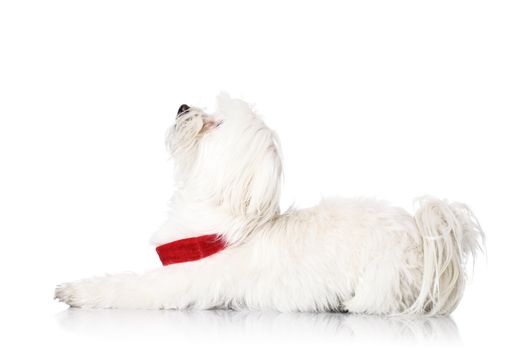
(263, 191)
(255, 192)
(253, 179)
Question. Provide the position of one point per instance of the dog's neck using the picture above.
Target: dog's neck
(190, 217)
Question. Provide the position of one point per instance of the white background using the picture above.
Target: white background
(391, 99)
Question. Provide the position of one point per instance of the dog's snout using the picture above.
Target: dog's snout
(182, 109)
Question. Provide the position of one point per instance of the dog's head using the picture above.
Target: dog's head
(229, 157)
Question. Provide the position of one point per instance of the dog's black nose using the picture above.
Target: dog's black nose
(182, 109)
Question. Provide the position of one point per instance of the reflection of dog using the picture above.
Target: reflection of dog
(225, 327)
(234, 249)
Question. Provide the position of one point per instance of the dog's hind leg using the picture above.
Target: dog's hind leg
(376, 291)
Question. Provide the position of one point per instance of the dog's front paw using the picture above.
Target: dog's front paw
(67, 293)
(88, 293)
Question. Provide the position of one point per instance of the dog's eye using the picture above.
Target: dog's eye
(179, 123)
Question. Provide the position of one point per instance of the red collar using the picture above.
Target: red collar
(190, 249)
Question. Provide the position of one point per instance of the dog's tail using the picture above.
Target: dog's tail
(450, 235)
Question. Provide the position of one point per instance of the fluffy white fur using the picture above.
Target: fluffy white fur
(355, 255)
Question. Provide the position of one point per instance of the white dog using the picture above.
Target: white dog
(227, 245)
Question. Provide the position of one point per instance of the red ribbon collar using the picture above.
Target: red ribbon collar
(190, 249)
